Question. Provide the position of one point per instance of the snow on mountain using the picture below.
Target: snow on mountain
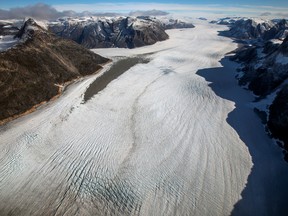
(226, 20)
(9, 31)
(105, 31)
(250, 28)
(110, 31)
(255, 28)
(28, 30)
(170, 22)
(126, 32)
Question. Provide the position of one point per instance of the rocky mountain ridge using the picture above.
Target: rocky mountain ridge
(122, 32)
(32, 71)
(263, 55)
(255, 29)
(106, 32)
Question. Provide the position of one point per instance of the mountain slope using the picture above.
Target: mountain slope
(31, 71)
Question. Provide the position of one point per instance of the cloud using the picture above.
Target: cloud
(282, 15)
(148, 13)
(45, 12)
(127, 7)
(108, 14)
(265, 14)
(38, 11)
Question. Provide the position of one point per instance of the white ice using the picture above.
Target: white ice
(159, 140)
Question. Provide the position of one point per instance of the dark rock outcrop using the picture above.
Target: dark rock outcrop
(270, 47)
(279, 30)
(265, 67)
(252, 29)
(31, 71)
(278, 118)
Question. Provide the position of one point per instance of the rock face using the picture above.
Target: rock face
(122, 32)
(249, 29)
(31, 71)
(265, 70)
(265, 67)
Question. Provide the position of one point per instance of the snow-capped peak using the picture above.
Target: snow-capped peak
(28, 30)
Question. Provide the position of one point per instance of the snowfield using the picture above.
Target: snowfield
(158, 140)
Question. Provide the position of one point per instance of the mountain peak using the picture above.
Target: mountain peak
(28, 30)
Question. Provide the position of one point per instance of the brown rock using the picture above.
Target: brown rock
(30, 72)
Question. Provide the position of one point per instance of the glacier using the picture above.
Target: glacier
(168, 137)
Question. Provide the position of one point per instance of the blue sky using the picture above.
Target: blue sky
(5, 4)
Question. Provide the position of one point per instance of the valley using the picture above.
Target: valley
(175, 135)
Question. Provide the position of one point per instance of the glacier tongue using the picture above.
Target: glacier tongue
(155, 141)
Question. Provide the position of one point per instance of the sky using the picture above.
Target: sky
(6, 4)
(227, 7)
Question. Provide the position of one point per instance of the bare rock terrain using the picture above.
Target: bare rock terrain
(32, 71)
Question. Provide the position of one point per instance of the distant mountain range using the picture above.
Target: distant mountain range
(105, 32)
(122, 32)
(256, 29)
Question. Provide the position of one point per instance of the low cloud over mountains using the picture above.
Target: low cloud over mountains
(38, 11)
(47, 12)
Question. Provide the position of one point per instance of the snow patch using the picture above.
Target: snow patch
(276, 41)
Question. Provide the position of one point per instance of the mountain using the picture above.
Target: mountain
(255, 28)
(175, 24)
(249, 28)
(32, 71)
(263, 55)
(264, 67)
(122, 32)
